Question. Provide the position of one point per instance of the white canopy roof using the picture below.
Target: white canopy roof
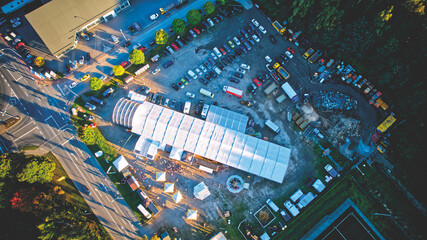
(169, 187)
(176, 153)
(227, 118)
(209, 140)
(318, 185)
(192, 214)
(177, 197)
(121, 163)
(161, 176)
(201, 191)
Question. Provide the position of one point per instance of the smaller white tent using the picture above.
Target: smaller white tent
(121, 163)
(192, 214)
(176, 153)
(169, 187)
(201, 191)
(161, 176)
(177, 197)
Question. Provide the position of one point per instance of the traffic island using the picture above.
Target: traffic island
(4, 126)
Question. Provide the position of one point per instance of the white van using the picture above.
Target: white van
(217, 52)
(144, 211)
(187, 107)
(192, 74)
(272, 205)
(206, 93)
(272, 126)
(216, 69)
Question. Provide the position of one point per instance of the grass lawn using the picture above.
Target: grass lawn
(329, 201)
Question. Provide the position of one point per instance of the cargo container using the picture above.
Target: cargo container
(281, 98)
(272, 126)
(305, 200)
(279, 27)
(386, 124)
(270, 88)
(144, 211)
(283, 73)
(315, 56)
(233, 91)
(291, 208)
(290, 92)
(206, 93)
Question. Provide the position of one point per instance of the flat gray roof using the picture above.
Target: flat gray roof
(57, 21)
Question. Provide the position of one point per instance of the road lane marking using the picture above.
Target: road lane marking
(63, 94)
(26, 133)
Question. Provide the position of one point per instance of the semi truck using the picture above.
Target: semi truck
(315, 56)
(290, 92)
(308, 53)
(167, 8)
(270, 88)
(279, 27)
(233, 91)
(386, 124)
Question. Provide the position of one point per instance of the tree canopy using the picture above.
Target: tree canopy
(37, 170)
(39, 61)
(178, 25)
(208, 7)
(161, 36)
(137, 56)
(95, 84)
(194, 17)
(118, 70)
(5, 166)
(88, 135)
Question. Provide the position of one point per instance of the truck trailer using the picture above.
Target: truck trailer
(167, 8)
(233, 91)
(270, 88)
(315, 56)
(308, 53)
(290, 92)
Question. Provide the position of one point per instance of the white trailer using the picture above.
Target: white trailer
(290, 92)
(291, 208)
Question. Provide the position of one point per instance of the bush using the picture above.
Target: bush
(161, 36)
(118, 70)
(209, 7)
(137, 57)
(95, 84)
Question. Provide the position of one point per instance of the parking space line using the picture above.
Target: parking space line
(26, 133)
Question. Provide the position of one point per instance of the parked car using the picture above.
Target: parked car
(170, 50)
(239, 75)
(199, 107)
(289, 54)
(272, 39)
(227, 48)
(255, 38)
(262, 29)
(235, 80)
(203, 81)
(205, 110)
(236, 41)
(190, 95)
(175, 86)
(193, 34)
(196, 31)
(291, 50)
(268, 59)
(255, 22)
(242, 71)
(211, 23)
(154, 16)
(175, 46)
(155, 71)
(222, 51)
(245, 66)
(256, 82)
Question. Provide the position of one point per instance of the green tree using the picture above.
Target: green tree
(88, 135)
(95, 84)
(416, 6)
(137, 57)
(194, 17)
(329, 17)
(39, 62)
(381, 20)
(178, 25)
(300, 8)
(118, 70)
(208, 7)
(161, 36)
(37, 170)
(5, 166)
(221, 2)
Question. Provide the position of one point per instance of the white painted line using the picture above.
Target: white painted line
(39, 112)
(63, 94)
(26, 133)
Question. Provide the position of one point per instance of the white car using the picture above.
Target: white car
(154, 16)
(289, 54)
(217, 52)
(115, 39)
(192, 74)
(269, 68)
(236, 41)
(155, 71)
(245, 66)
(214, 56)
(268, 59)
(198, 71)
(255, 22)
(103, 77)
(73, 85)
(210, 22)
(205, 110)
(262, 29)
(136, 46)
(242, 71)
(190, 95)
(255, 38)
(203, 68)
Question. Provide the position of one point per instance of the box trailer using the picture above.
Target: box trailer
(206, 93)
(315, 57)
(272, 126)
(281, 98)
(279, 27)
(233, 91)
(270, 88)
(305, 200)
(283, 73)
(144, 211)
(291, 208)
(290, 92)
(386, 124)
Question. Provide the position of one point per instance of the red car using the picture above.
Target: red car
(196, 31)
(143, 48)
(291, 50)
(124, 63)
(257, 82)
(175, 46)
(93, 125)
(19, 45)
(376, 136)
(222, 51)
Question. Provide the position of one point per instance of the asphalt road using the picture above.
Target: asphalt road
(45, 123)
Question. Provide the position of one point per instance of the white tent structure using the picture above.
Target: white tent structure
(201, 191)
(176, 153)
(192, 214)
(217, 139)
(177, 197)
(121, 163)
(169, 187)
(161, 176)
